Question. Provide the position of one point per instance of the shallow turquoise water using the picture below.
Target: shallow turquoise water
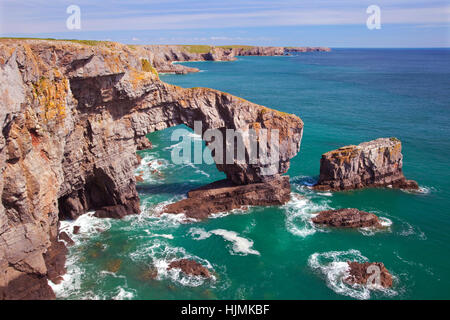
(344, 97)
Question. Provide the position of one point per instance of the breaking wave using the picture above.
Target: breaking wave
(240, 245)
(304, 205)
(334, 268)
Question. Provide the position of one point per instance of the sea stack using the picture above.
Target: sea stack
(376, 163)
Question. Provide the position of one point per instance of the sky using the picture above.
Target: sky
(331, 23)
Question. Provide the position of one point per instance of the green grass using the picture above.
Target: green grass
(86, 42)
(147, 67)
(197, 48)
(236, 47)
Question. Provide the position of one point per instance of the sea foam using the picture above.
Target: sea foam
(240, 245)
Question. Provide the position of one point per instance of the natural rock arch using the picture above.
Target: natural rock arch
(72, 115)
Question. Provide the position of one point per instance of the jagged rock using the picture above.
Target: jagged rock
(72, 117)
(27, 287)
(190, 267)
(377, 163)
(114, 212)
(222, 196)
(143, 144)
(76, 229)
(347, 218)
(65, 237)
(55, 260)
(361, 272)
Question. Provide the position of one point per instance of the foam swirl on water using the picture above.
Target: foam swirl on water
(334, 267)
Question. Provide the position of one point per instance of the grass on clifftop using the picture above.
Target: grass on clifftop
(87, 42)
(206, 48)
(197, 48)
(236, 47)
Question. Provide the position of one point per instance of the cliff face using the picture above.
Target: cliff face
(72, 116)
(377, 163)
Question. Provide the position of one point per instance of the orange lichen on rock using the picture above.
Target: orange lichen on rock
(51, 96)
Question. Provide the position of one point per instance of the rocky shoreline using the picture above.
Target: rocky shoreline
(73, 115)
(164, 56)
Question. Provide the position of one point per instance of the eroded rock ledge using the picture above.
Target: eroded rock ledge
(377, 163)
(224, 195)
(347, 218)
(72, 117)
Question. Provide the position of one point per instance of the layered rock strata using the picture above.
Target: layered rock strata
(224, 195)
(347, 218)
(72, 117)
(377, 163)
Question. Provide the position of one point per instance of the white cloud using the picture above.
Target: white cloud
(245, 14)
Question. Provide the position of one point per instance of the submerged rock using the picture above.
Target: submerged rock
(347, 218)
(223, 195)
(150, 273)
(114, 265)
(360, 273)
(190, 267)
(377, 163)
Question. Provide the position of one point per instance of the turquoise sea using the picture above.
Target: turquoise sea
(344, 97)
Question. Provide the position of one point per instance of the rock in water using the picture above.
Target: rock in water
(190, 267)
(65, 237)
(347, 218)
(360, 273)
(377, 163)
(222, 196)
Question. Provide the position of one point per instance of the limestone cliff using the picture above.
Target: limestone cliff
(72, 115)
(377, 163)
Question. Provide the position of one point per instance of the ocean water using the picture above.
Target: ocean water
(344, 97)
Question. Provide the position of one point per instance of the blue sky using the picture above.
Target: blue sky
(333, 23)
